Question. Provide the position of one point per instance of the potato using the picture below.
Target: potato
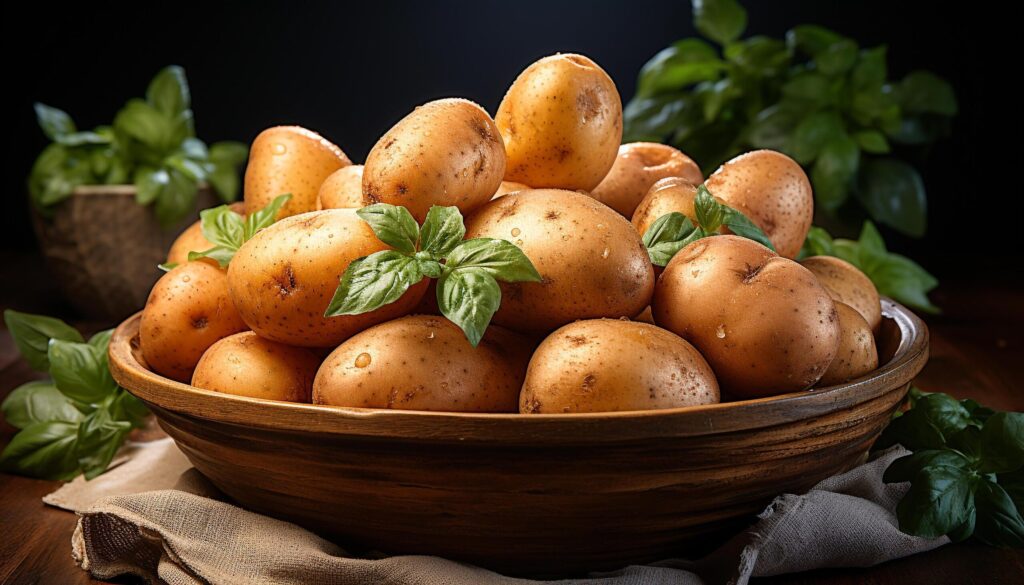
(847, 284)
(283, 279)
(447, 152)
(343, 189)
(592, 261)
(773, 191)
(289, 159)
(645, 316)
(188, 310)
(857, 354)
(424, 362)
(248, 365)
(763, 322)
(507, 187)
(193, 240)
(638, 166)
(562, 124)
(605, 365)
(665, 196)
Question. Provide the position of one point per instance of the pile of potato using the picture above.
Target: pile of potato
(604, 330)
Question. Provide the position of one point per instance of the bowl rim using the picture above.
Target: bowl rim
(183, 399)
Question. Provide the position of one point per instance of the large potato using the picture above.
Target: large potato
(562, 124)
(424, 362)
(343, 189)
(188, 310)
(592, 261)
(248, 365)
(193, 240)
(447, 152)
(857, 354)
(847, 284)
(283, 279)
(763, 322)
(289, 159)
(638, 166)
(604, 365)
(672, 194)
(773, 191)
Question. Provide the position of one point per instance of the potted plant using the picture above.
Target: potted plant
(108, 203)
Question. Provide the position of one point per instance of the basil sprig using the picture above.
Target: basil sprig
(74, 422)
(966, 471)
(673, 231)
(151, 144)
(466, 271)
(228, 230)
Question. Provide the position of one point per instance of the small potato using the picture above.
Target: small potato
(847, 284)
(188, 310)
(193, 240)
(773, 191)
(763, 322)
(645, 316)
(509, 187)
(343, 189)
(283, 279)
(289, 159)
(606, 365)
(562, 124)
(857, 354)
(638, 166)
(592, 261)
(424, 362)
(447, 152)
(666, 196)
(248, 365)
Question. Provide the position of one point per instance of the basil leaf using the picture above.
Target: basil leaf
(126, 407)
(834, 170)
(1002, 443)
(226, 157)
(683, 63)
(741, 225)
(813, 133)
(169, 266)
(372, 282)
(928, 425)
(872, 141)
(469, 297)
(146, 124)
(99, 438)
(907, 467)
(722, 21)
(229, 153)
(101, 341)
(940, 500)
(264, 217)
(837, 58)
(55, 123)
(922, 92)
(999, 520)
(32, 335)
(45, 450)
(82, 138)
(149, 183)
(811, 39)
(871, 69)
(222, 226)
(80, 371)
(393, 225)
(499, 258)
(710, 213)
(176, 199)
(221, 254)
(774, 125)
(667, 235)
(817, 243)
(428, 267)
(654, 118)
(810, 87)
(168, 92)
(893, 193)
(37, 402)
(442, 230)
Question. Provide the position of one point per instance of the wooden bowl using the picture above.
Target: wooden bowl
(527, 494)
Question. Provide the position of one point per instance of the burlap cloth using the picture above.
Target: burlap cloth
(155, 517)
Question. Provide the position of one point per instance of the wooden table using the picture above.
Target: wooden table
(977, 352)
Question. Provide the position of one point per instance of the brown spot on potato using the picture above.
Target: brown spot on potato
(285, 281)
(576, 340)
(552, 215)
(588, 382)
(199, 322)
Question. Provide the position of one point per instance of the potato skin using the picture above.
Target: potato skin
(638, 166)
(193, 240)
(446, 152)
(592, 262)
(424, 362)
(857, 354)
(283, 279)
(605, 365)
(289, 159)
(343, 189)
(847, 284)
(763, 322)
(245, 364)
(507, 187)
(188, 310)
(773, 191)
(562, 124)
(665, 196)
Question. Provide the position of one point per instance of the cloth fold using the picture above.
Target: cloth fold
(157, 518)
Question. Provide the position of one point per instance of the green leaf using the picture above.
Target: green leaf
(758, 56)
(393, 225)
(774, 125)
(741, 225)
(810, 87)
(226, 158)
(654, 118)
(500, 258)
(928, 425)
(32, 335)
(722, 21)
(907, 467)
(837, 58)
(442, 230)
(683, 63)
(999, 520)
(45, 450)
(176, 200)
(940, 500)
(221, 254)
(169, 266)
(126, 407)
(37, 402)
(710, 213)
(872, 141)
(811, 39)
(894, 276)
(223, 227)
(667, 235)
(893, 193)
(813, 133)
(372, 282)
(55, 123)
(834, 170)
(1002, 443)
(84, 138)
(149, 183)
(817, 243)
(99, 438)
(871, 69)
(263, 218)
(469, 297)
(146, 124)
(922, 92)
(168, 92)
(80, 371)
(101, 341)
(229, 153)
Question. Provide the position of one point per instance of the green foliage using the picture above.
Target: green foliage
(228, 230)
(151, 143)
(817, 96)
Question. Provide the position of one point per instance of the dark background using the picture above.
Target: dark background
(350, 72)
